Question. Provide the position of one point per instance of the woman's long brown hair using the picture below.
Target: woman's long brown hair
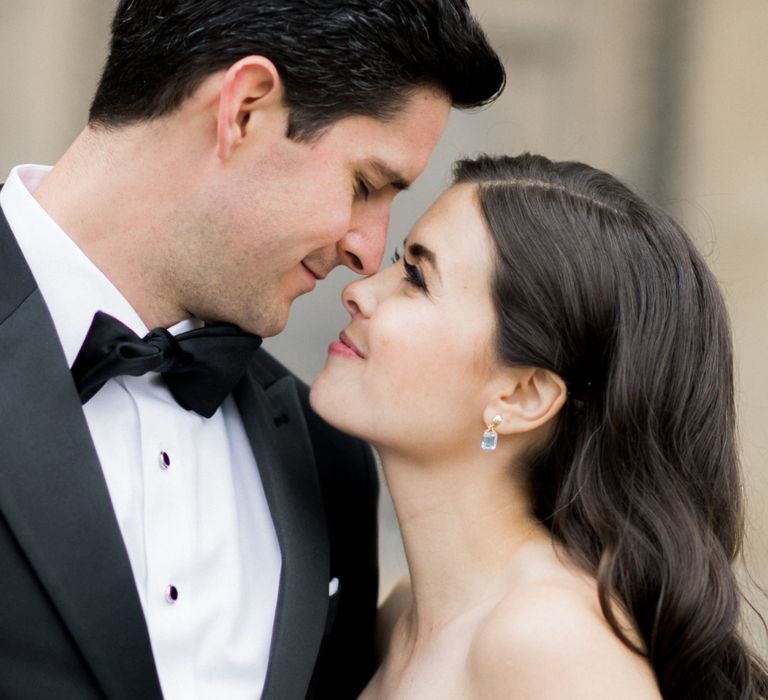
(641, 480)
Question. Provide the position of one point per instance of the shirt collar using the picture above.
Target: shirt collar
(73, 288)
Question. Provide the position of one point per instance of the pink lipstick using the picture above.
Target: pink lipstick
(344, 347)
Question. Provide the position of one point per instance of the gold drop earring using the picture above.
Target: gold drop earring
(490, 436)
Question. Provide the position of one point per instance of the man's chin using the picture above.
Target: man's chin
(266, 327)
(265, 319)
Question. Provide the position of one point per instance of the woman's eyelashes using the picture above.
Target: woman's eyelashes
(412, 273)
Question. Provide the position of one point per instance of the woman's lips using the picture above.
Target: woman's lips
(345, 347)
(344, 338)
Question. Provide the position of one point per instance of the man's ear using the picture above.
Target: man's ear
(251, 86)
(528, 397)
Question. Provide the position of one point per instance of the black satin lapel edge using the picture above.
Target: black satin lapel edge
(55, 499)
(16, 280)
(278, 433)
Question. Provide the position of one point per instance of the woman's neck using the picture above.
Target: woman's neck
(463, 520)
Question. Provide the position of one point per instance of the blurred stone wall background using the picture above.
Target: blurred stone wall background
(668, 94)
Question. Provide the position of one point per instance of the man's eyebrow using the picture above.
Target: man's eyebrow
(393, 177)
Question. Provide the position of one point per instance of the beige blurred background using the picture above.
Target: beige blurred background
(671, 95)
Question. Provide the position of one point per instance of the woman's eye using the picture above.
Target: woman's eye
(413, 276)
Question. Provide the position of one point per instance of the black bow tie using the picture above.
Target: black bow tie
(200, 367)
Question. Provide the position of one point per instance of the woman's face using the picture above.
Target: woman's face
(411, 370)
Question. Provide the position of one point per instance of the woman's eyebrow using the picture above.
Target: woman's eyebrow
(417, 251)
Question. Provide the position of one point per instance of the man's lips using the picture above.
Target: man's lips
(312, 272)
(345, 340)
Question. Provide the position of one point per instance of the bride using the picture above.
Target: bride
(546, 374)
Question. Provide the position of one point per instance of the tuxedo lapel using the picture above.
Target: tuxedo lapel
(276, 428)
(53, 494)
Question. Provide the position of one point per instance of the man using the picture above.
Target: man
(235, 153)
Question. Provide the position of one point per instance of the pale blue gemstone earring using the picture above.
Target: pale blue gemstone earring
(490, 436)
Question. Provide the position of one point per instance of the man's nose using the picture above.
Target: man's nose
(362, 248)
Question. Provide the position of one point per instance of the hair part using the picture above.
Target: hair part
(336, 58)
(640, 480)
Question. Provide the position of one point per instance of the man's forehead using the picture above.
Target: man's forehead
(413, 135)
(393, 150)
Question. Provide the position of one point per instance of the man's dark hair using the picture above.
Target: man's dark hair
(336, 58)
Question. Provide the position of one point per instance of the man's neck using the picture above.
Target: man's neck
(111, 193)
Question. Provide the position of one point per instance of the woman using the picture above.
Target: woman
(547, 377)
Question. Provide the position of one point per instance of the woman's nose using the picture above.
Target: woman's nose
(352, 298)
(361, 296)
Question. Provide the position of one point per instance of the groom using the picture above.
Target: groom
(157, 539)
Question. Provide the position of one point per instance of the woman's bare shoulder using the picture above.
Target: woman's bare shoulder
(549, 639)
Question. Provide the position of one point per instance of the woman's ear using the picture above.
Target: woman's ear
(528, 397)
(249, 87)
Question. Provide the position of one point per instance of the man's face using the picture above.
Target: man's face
(281, 214)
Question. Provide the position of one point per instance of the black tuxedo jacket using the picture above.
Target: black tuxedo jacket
(71, 625)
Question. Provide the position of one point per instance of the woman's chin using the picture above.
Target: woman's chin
(316, 397)
(323, 403)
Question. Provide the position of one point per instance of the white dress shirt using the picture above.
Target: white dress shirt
(185, 489)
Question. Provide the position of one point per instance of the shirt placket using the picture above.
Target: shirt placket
(169, 466)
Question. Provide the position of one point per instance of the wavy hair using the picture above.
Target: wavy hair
(640, 480)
